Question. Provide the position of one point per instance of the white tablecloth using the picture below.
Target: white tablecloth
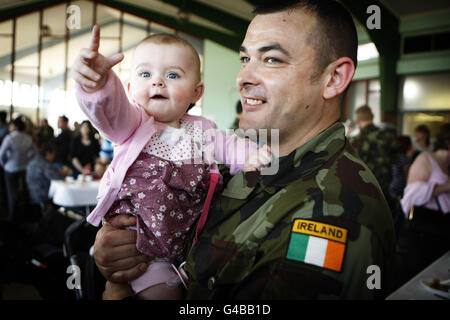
(73, 194)
(413, 290)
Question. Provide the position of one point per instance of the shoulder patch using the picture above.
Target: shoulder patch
(317, 243)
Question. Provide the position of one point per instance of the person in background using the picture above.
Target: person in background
(407, 155)
(400, 171)
(3, 132)
(16, 152)
(377, 148)
(106, 151)
(422, 138)
(426, 205)
(62, 143)
(40, 171)
(76, 128)
(3, 125)
(45, 132)
(84, 150)
(99, 169)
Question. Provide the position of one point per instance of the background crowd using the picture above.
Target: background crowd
(413, 173)
(32, 155)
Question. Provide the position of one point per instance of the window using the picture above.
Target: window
(38, 83)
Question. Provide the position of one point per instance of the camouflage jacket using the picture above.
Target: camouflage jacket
(253, 244)
(377, 148)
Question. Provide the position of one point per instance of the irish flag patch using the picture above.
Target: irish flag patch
(317, 243)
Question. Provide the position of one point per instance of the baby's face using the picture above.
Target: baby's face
(164, 80)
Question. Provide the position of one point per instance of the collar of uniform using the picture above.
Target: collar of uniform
(309, 157)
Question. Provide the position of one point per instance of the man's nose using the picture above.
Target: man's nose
(247, 76)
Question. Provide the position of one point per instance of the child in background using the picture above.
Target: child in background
(164, 169)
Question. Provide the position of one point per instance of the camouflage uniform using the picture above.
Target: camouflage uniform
(242, 251)
(378, 149)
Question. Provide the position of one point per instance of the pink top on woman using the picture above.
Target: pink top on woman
(420, 193)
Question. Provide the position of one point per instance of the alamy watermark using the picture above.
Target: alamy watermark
(74, 280)
(374, 280)
(374, 20)
(229, 148)
(74, 17)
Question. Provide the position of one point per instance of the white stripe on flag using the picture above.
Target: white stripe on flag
(315, 253)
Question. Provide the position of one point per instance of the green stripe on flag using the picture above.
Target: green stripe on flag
(297, 247)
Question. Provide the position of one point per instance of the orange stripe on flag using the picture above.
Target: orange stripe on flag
(334, 255)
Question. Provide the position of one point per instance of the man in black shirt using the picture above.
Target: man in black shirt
(62, 143)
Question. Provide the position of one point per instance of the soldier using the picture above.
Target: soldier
(377, 148)
(316, 228)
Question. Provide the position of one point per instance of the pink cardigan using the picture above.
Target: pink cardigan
(420, 193)
(129, 128)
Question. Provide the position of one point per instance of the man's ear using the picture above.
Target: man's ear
(128, 87)
(198, 92)
(339, 74)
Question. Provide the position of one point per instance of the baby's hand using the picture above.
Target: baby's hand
(258, 159)
(90, 69)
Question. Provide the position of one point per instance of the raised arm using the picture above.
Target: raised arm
(100, 92)
(419, 190)
(237, 153)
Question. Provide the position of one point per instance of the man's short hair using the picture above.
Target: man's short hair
(64, 119)
(364, 113)
(335, 35)
(167, 39)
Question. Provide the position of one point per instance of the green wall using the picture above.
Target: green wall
(220, 68)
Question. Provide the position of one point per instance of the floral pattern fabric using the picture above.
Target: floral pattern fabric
(167, 196)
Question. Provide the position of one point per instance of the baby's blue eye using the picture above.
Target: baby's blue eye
(144, 74)
(173, 75)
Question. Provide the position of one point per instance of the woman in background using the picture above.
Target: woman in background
(426, 204)
(85, 149)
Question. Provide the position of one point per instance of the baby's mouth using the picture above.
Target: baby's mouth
(158, 97)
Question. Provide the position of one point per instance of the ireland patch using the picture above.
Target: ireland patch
(317, 243)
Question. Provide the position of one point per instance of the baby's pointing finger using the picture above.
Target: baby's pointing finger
(95, 38)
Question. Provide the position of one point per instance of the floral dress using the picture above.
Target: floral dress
(165, 190)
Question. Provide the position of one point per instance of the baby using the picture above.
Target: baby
(164, 169)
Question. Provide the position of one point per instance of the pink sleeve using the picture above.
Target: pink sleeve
(229, 150)
(416, 194)
(109, 110)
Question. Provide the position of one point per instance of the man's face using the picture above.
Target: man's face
(277, 65)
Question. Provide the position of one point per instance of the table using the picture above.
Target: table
(413, 290)
(74, 193)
